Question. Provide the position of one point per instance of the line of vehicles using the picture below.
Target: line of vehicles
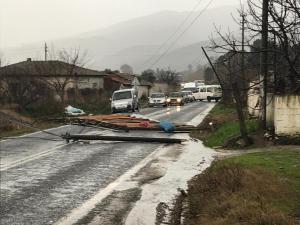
(127, 100)
(187, 94)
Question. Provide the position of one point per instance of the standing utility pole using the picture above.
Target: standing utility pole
(264, 58)
(275, 65)
(46, 51)
(243, 15)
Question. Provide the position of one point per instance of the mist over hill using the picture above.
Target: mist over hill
(136, 41)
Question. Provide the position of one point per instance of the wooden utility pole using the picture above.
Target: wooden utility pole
(264, 58)
(243, 15)
(213, 68)
(46, 51)
(275, 64)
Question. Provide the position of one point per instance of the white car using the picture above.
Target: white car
(189, 95)
(124, 101)
(157, 99)
(195, 92)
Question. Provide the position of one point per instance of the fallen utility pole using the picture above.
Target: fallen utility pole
(77, 137)
(213, 68)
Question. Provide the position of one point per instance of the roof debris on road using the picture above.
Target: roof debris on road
(125, 123)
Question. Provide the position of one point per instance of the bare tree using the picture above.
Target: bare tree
(63, 71)
(168, 76)
(284, 25)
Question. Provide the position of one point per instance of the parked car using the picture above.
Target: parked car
(185, 97)
(175, 98)
(189, 96)
(124, 101)
(157, 99)
(195, 92)
(210, 92)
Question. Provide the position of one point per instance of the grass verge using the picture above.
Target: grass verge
(225, 126)
(257, 188)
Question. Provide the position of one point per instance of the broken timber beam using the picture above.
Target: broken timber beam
(77, 137)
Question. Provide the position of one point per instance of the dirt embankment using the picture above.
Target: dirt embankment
(257, 188)
(259, 185)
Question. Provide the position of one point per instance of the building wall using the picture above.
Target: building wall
(287, 115)
(143, 90)
(93, 83)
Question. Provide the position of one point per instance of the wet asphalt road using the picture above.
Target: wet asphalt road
(43, 180)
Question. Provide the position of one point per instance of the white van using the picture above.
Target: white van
(210, 92)
(124, 101)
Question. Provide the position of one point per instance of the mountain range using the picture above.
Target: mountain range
(138, 42)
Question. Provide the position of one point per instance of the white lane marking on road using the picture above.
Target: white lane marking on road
(38, 155)
(170, 110)
(78, 213)
(30, 158)
(86, 207)
(161, 111)
(198, 119)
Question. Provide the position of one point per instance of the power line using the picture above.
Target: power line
(181, 34)
(174, 33)
(25, 124)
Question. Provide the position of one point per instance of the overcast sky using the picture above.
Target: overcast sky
(26, 21)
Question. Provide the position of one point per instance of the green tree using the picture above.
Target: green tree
(148, 75)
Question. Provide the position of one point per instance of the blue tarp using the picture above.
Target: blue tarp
(167, 126)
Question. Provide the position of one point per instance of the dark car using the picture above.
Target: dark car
(176, 98)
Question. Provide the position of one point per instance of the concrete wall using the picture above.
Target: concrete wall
(143, 90)
(287, 115)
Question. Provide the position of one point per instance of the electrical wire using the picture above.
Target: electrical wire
(181, 34)
(174, 33)
(25, 124)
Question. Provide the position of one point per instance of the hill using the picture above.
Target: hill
(136, 41)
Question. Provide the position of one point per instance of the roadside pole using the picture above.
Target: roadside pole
(264, 59)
